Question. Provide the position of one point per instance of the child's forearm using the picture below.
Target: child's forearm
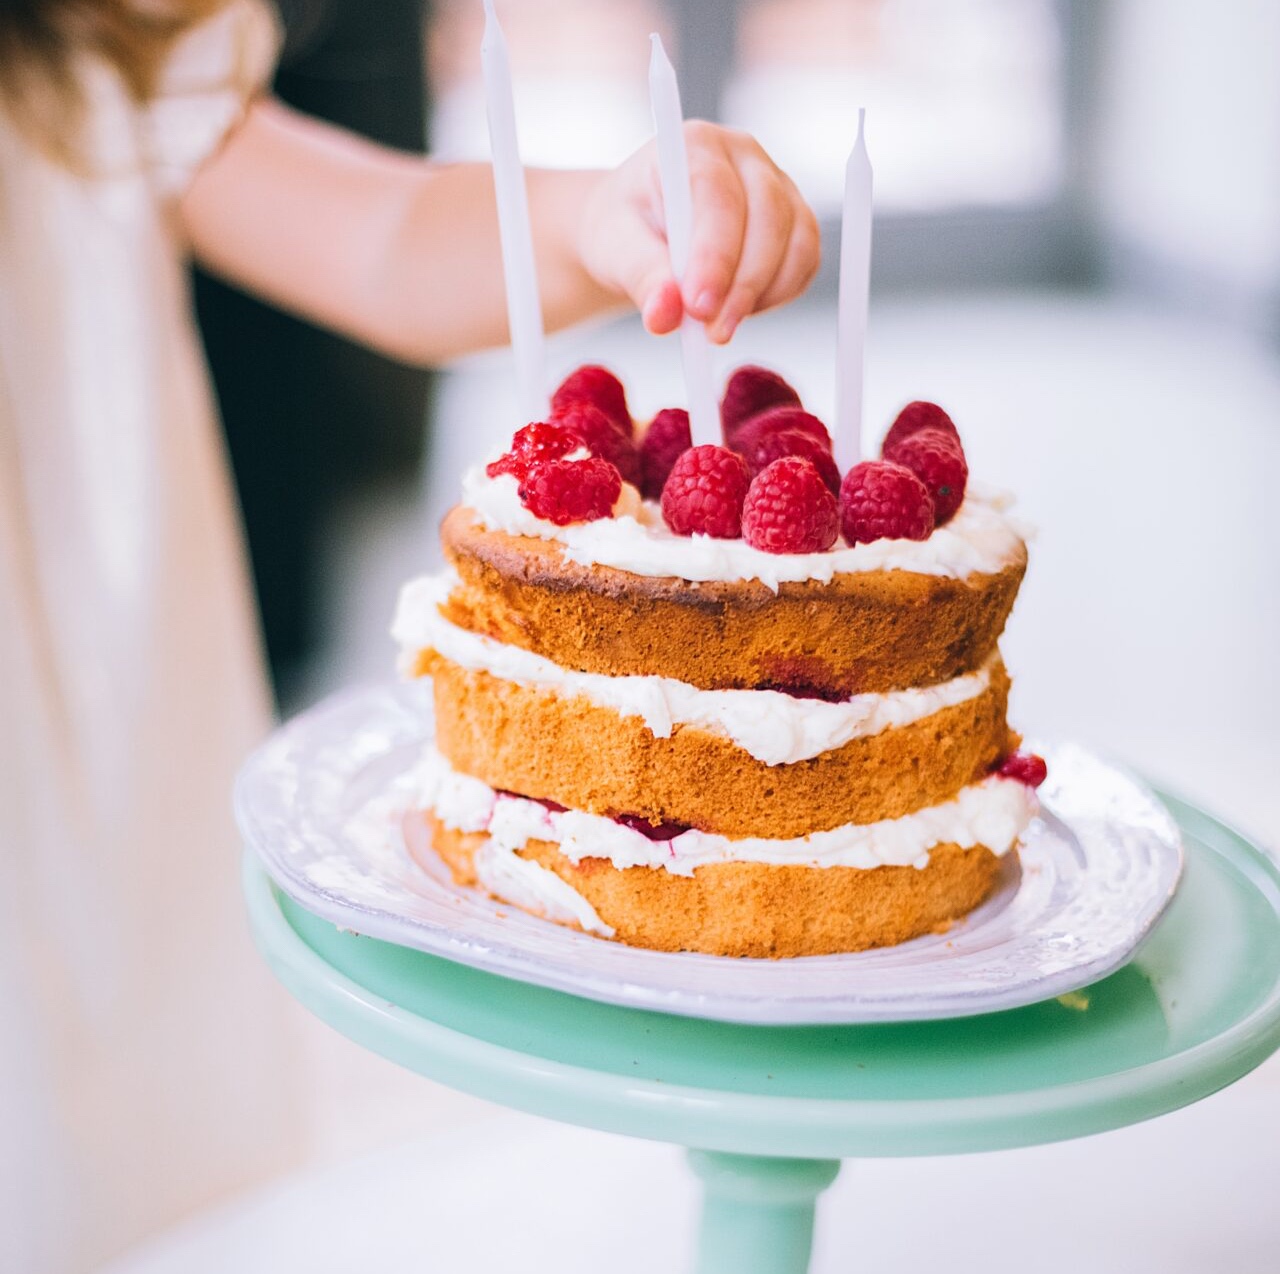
(404, 254)
(394, 251)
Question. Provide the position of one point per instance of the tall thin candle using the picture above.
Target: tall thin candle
(524, 308)
(673, 166)
(855, 292)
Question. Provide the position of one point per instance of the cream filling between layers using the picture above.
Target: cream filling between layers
(775, 728)
(993, 812)
(504, 874)
(980, 539)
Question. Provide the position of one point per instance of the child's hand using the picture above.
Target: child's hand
(755, 240)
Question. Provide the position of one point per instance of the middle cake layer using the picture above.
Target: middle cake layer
(567, 749)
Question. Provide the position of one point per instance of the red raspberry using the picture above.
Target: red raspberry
(600, 436)
(793, 442)
(936, 458)
(750, 391)
(564, 491)
(1026, 767)
(748, 435)
(664, 442)
(789, 509)
(704, 493)
(508, 462)
(880, 500)
(914, 417)
(533, 444)
(599, 387)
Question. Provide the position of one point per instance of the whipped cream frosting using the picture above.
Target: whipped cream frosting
(980, 539)
(775, 728)
(466, 805)
(504, 874)
(993, 812)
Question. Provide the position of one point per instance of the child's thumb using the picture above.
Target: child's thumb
(647, 279)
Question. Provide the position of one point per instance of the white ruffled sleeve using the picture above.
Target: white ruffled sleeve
(211, 75)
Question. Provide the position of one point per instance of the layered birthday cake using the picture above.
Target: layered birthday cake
(722, 698)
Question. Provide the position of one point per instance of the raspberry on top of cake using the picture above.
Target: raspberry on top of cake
(723, 698)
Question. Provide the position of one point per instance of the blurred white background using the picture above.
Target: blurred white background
(1077, 253)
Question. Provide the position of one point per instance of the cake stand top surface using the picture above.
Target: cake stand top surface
(1197, 1008)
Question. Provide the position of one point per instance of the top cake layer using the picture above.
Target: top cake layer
(869, 630)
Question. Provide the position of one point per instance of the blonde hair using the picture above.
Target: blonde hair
(40, 39)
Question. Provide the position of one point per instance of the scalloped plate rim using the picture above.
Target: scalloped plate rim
(512, 959)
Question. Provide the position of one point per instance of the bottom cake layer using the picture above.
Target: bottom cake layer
(730, 909)
(771, 902)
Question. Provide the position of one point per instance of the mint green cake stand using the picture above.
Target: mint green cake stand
(769, 1112)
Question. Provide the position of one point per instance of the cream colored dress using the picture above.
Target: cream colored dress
(144, 1064)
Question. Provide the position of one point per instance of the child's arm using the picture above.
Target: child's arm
(403, 254)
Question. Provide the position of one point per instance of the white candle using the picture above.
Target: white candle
(524, 308)
(677, 201)
(855, 291)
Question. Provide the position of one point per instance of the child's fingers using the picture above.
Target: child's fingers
(800, 261)
(770, 220)
(756, 241)
(719, 220)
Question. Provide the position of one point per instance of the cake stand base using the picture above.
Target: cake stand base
(772, 1110)
(757, 1213)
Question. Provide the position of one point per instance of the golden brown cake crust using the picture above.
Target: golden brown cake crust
(862, 632)
(586, 757)
(758, 909)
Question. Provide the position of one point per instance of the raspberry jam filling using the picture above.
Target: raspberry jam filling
(651, 831)
(806, 678)
(804, 690)
(553, 807)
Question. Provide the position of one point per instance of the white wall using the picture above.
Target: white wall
(1188, 160)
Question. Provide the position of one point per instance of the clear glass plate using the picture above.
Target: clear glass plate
(322, 803)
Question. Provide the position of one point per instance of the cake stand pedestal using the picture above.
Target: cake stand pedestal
(769, 1112)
